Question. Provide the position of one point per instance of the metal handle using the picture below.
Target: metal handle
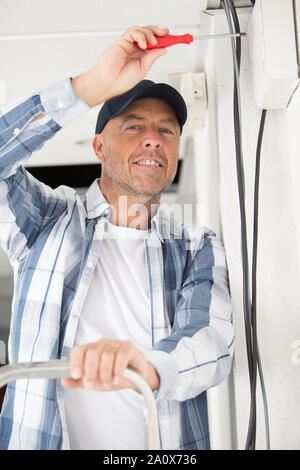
(60, 368)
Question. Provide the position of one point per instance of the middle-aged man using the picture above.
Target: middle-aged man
(105, 278)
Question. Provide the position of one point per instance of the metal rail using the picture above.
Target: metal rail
(60, 368)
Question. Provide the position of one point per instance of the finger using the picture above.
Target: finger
(138, 36)
(142, 35)
(71, 383)
(92, 361)
(106, 366)
(150, 32)
(122, 359)
(76, 361)
(157, 31)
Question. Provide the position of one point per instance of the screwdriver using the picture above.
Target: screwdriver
(170, 40)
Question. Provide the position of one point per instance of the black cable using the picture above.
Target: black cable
(237, 30)
(254, 267)
(230, 9)
(241, 193)
(252, 362)
(249, 309)
(255, 360)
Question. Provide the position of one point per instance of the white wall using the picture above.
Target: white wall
(278, 250)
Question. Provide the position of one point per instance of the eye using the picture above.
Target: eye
(136, 127)
(165, 130)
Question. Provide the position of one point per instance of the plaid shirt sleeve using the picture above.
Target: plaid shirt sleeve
(24, 201)
(198, 353)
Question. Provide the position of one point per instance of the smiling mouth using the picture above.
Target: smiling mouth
(148, 167)
(148, 163)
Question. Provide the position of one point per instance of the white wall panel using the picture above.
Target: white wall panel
(278, 249)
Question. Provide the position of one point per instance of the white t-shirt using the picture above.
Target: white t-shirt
(117, 306)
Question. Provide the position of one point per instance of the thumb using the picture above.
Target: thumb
(151, 56)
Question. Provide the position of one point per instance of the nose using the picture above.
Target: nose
(152, 141)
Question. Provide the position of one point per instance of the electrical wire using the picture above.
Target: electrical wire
(255, 350)
(241, 191)
(250, 320)
(254, 268)
(250, 333)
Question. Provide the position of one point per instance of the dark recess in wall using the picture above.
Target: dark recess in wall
(76, 176)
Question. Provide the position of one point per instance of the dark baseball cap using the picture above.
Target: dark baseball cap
(144, 89)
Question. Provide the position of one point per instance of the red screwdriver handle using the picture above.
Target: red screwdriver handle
(169, 40)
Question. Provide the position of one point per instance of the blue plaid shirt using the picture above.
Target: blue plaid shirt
(53, 238)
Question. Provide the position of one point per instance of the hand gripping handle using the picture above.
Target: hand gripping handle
(61, 368)
(168, 40)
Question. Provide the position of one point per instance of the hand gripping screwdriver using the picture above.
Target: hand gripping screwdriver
(170, 40)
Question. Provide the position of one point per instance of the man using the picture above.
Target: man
(109, 285)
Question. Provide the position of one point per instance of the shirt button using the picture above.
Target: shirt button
(16, 131)
(60, 104)
(89, 264)
(106, 212)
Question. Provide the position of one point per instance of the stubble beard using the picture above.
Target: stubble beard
(132, 187)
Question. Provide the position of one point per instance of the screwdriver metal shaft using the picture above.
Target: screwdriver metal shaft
(219, 36)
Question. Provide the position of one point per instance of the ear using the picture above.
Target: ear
(98, 144)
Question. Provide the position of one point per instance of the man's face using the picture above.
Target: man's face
(147, 130)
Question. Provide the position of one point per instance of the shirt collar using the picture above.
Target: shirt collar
(97, 206)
